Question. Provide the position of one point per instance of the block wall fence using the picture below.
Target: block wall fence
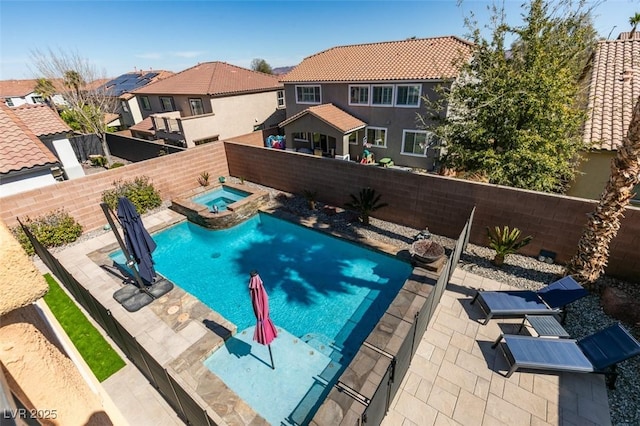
(442, 204)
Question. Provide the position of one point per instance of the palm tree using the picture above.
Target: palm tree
(593, 248)
(365, 203)
(73, 80)
(634, 21)
(46, 88)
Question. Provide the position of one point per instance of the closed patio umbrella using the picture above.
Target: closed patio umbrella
(138, 241)
(265, 330)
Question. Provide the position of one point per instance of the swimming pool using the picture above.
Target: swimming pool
(325, 294)
(220, 197)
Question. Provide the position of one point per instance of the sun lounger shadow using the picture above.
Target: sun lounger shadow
(597, 353)
(550, 300)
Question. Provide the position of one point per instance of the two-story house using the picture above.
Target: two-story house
(348, 99)
(208, 102)
(22, 92)
(127, 111)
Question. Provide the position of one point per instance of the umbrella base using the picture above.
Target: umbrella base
(133, 298)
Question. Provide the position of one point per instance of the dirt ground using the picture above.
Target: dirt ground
(44, 379)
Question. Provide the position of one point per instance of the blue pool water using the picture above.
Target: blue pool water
(220, 197)
(325, 294)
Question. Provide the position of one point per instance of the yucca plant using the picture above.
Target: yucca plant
(366, 202)
(203, 179)
(505, 241)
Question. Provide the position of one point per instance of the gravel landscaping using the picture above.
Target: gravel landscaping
(585, 317)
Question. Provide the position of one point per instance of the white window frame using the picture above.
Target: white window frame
(429, 136)
(125, 106)
(359, 86)
(416, 105)
(280, 97)
(309, 86)
(357, 134)
(303, 139)
(372, 142)
(382, 86)
(9, 102)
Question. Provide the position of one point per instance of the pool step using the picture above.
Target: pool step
(324, 345)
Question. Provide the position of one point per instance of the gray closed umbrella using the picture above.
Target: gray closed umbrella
(138, 241)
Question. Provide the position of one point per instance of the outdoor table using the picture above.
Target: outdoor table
(543, 325)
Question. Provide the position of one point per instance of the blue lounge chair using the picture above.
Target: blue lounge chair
(597, 353)
(549, 300)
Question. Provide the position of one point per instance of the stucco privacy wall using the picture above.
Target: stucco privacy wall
(170, 174)
(442, 204)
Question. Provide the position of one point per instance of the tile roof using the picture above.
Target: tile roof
(213, 79)
(614, 88)
(330, 114)
(145, 126)
(16, 88)
(411, 59)
(19, 147)
(41, 119)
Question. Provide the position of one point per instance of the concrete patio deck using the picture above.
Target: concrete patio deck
(453, 379)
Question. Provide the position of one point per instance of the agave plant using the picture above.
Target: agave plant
(505, 241)
(366, 202)
(203, 179)
(311, 196)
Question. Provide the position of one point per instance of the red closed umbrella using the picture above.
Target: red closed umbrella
(265, 330)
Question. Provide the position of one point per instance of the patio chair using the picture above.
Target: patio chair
(597, 353)
(549, 300)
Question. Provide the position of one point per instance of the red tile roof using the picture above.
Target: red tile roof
(41, 119)
(213, 79)
(19, 147)
(613, 91)
(16, 88)
(330, 114)
(411, 59)
(145, 126)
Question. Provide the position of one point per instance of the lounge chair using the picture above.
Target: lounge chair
(597, 353)
(549, 300)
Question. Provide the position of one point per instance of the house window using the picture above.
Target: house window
(37, 99)
(358, 95)
(308, 94)
(416, 142)
(354, 137)
(382, 95)
(377, 136)
(281, 99)
(302, 137)
(167, 103)
(9, 102)
(145, 103)
(125, 107)
(196, 106)
(408, 95)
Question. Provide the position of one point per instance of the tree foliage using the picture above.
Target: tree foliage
(87, 104)
(259, 64)
(514, 116)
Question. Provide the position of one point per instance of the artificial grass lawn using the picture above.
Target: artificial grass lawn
(93, 348)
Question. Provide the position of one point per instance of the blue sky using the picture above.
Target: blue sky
(117, 36)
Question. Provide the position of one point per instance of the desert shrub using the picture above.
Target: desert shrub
(53, 229)
(98, 161)
(140, 192)
(116, 165)
(203, 179)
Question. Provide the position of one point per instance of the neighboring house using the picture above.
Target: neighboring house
(31, 134)
(346, 99)
(613, 90)
(20, 92)
(127, 111)
(207, 102)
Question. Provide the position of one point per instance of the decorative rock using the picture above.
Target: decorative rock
(619, 305)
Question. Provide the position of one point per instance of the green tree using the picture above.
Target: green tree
(47, 90)
(261, 65)
(634, 21)
(87, 105)
(514, 115)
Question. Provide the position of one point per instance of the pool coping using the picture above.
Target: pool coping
(181, 313)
